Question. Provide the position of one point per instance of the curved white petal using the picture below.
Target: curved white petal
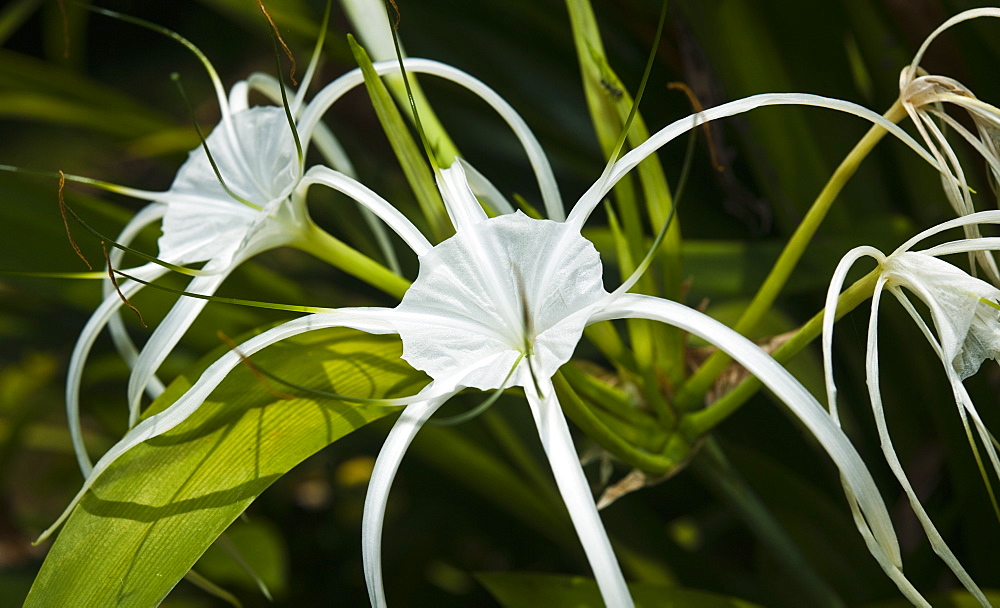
(829, 317)
(593, 196)
(979, 217)
(508, 286)
(967, 328)
(370, 320)
(74, 375)
(386, 465)
(536, 156)
(963, 16)
(166, 336)
(575, 491)
(798, 400)
(875, 393)
(119, 335)
(370, 200)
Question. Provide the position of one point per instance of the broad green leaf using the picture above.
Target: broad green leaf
(158, 508)
(524, 590)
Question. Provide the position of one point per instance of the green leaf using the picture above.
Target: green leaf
(517, 590)
(610, 104)
(159, 507)
(409, 155)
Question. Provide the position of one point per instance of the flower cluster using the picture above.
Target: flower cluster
(504, 302)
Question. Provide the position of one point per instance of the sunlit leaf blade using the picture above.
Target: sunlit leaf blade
(525, 590)
(154, 513)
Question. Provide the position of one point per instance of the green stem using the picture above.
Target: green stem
(691, 393)
(675, 452)
(698, 423)
(321, 244)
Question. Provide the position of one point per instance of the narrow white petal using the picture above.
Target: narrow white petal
(119, 335)
(590, 199)
(239, 97)
(875, 393)
(81, 350)
(983, 243)
(829, 317)
(575, 491)
(372, 201)
(370, 320)
(536, 156)
(979, 217)
(798, 400)
(909, 73)
(386, 465)
(166, 336)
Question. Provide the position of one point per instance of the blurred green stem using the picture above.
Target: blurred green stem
(691, 393)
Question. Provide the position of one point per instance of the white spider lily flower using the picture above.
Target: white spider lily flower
(257, 155)
(924, 97)
(221, 210)
(504, 303)
(964, 331)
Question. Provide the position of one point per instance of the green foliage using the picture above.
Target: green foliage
(150, 529)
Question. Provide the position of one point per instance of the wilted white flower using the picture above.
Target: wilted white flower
(964, 331)
(924, 97)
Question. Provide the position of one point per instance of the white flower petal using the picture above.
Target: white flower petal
(963, 16)
(202, 220)
(119, 335)
(386, 465)
(536, 156)
(166, 336)
(368, 199)
(575, 491)
(81, 350)
(593, 196)
(485, 190)
(370, 320)
(967, 329)
(463, 208)
(875, 392)
(829, 317)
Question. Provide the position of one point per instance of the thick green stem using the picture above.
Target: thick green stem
(698, 423)
(321, 244)
(693, 391)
